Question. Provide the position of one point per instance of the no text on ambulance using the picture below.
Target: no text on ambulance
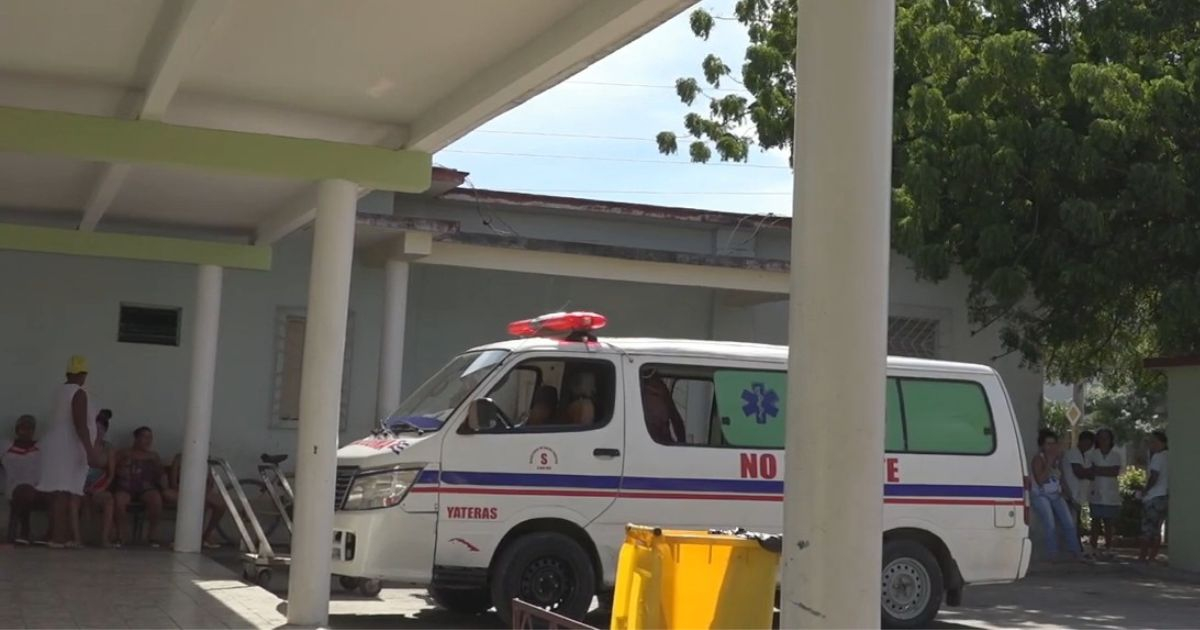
(513, 471)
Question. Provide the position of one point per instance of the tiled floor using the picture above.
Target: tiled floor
(129, 588)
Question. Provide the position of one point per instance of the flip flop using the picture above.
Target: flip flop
(21, 542)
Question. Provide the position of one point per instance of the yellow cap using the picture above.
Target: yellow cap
(77, 365)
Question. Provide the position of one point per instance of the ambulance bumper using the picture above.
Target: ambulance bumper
(388, 544)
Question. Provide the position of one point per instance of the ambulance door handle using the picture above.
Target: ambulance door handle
(606, 452)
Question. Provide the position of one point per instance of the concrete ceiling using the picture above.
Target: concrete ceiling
(412, 74)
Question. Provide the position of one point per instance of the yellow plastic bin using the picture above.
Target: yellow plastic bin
(676, 579)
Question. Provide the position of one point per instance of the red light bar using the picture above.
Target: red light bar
(558, 324)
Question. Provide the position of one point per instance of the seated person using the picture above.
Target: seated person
(140, 476)
(543, 408)
(214, 504)
(97, 489)
(662, 418)
(581, 410)
(21, 461)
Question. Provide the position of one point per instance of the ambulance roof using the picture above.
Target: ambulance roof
(709, 349)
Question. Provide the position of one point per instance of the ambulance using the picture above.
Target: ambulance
(513, 471)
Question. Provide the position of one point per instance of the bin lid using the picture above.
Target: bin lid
(770, 542)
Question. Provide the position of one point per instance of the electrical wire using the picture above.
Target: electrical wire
(571, 191)
(652, 86)
(611, 159)
(583, 136)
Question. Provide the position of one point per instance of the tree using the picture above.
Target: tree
(1054, 417)
(1047, 148)
(1131, 413)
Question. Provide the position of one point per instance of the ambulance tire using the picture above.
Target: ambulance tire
(912, 585)
(465, 601)
(546, 569)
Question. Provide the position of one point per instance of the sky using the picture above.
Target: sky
(622, 102)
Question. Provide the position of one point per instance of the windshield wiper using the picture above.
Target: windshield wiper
(396, 424)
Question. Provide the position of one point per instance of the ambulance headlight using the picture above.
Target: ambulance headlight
(376, 489)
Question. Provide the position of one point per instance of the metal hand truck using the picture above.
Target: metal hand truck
(259, 556)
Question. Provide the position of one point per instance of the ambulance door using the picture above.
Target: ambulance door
(547, 444)
(701, 480)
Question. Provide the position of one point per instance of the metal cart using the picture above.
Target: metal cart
(259, 556)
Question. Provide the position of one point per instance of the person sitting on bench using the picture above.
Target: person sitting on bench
(214, 504)
(141, 477)
(21, 461)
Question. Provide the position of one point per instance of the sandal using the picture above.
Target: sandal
(211, 545)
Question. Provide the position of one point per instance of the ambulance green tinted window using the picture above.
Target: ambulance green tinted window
(947, 417)
(752, 407)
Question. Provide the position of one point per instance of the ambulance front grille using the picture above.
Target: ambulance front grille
(345, 476)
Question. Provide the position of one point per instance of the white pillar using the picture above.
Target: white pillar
(838, 314)
(320, 402)
(189, 519)
(391, 352)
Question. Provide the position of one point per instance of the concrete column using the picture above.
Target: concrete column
(1183, 433)
(391, 353)
(838, 314)
(320, 402)
(189, 519)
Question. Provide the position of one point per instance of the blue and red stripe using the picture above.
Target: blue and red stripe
(610, 487)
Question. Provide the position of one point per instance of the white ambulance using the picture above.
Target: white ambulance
(513, 471)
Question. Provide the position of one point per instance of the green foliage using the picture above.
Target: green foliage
(1131, 413)
(1054, 417)
(1048, 148)
(1132, 480)
(1129, 523)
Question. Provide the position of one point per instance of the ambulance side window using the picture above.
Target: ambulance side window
(679, 405)
(555, 395)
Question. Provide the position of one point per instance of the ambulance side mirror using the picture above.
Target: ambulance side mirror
(482, 415)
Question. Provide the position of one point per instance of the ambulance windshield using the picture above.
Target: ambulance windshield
(428, 407)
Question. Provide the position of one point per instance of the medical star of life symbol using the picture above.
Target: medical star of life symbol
(760, 402)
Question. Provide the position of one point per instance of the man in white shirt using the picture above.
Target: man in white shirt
(1105, 505)
(1077, 476)
(1154, 498)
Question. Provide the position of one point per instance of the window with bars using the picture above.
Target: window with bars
(913, 337)
(290, 325)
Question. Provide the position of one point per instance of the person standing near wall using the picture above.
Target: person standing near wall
(67, 451)
(1154, 499)
(1107, 463)
(1047, 500)
(1077, 476)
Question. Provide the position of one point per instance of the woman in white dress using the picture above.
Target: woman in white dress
(67, 450)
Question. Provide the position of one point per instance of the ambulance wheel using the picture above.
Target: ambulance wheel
(466, 601)
(912, 585)
(370, 588)
(548, 570)
(263, 578)
(349, 583)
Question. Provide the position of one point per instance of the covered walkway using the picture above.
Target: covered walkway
(127, 589)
